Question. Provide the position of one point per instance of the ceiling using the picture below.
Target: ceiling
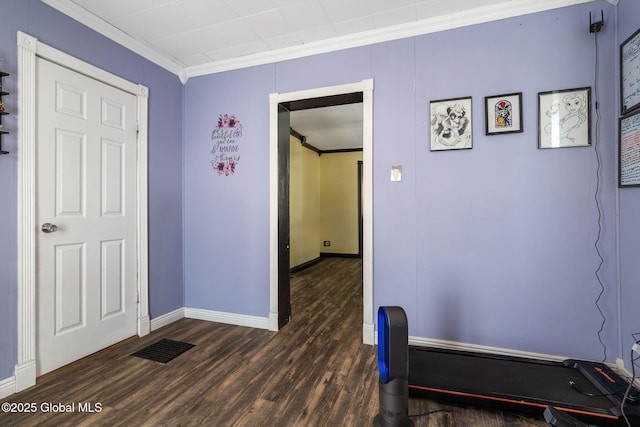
(330, 128)
(198, 37)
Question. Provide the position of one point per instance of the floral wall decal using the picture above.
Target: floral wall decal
(226, 147)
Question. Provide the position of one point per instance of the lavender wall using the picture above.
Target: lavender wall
(491, 246)
(8, 206)
(226, 231)
(165, 154)
(629, 23)
(506, 231)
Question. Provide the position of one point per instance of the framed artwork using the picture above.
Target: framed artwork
(503, 113)
(630, 73)
(451, 124)
(629, 150)
(564, 118)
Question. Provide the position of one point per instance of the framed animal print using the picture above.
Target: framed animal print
(451, 124)
(503, 114)
(564, 118)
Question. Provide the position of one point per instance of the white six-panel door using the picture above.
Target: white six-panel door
(86, 191)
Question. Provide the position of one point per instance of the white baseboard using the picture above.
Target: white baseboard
(212, 316)
(167, 319)
(273, 321)
(369, 335)
(229, 318)
(7, 387)
(25, 375)
(461, 346)
(144, 326)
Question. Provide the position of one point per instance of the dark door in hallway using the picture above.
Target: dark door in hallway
(284, 291)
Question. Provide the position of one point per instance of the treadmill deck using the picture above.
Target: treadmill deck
(514, 383)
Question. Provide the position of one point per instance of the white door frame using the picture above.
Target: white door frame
(28, 49)
(366, 87)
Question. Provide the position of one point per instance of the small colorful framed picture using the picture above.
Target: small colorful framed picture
(503, 113)
(451, 124)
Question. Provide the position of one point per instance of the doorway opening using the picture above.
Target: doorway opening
(280, 107)
(325, 147)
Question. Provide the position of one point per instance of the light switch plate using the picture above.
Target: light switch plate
(396, 173)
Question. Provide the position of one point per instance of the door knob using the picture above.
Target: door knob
(47, 227)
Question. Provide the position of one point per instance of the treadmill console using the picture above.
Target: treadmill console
(606, 380)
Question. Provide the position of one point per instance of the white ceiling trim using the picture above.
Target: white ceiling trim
(100, 26)
(426, 26)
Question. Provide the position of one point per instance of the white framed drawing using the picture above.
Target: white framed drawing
(564, 118)
(451, 124)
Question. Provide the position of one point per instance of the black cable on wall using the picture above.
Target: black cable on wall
(595, 29)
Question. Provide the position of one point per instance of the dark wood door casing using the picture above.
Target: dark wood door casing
(284, 291)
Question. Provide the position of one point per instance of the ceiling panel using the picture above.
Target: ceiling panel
(267, 24)
(305, 14)
(397, 16)
(177, 17)
(237, 51)
(282, 42)
(250, 7)
(315, 34)
(356, 25)
(220, 36)
(109, 10)
(342, 10)
(377, 6)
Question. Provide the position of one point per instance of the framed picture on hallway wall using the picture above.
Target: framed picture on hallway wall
(564, 118)
(450, 121)
(503, 114)
(630, 73)
(629, 150)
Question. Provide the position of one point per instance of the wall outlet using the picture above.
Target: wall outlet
(327, 243)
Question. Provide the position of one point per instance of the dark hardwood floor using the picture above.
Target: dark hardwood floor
(314, 372)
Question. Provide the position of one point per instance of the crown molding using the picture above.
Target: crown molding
(100, 26)
(426, 26)
(396, 32)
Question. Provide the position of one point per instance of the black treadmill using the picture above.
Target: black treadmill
(517, 384)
